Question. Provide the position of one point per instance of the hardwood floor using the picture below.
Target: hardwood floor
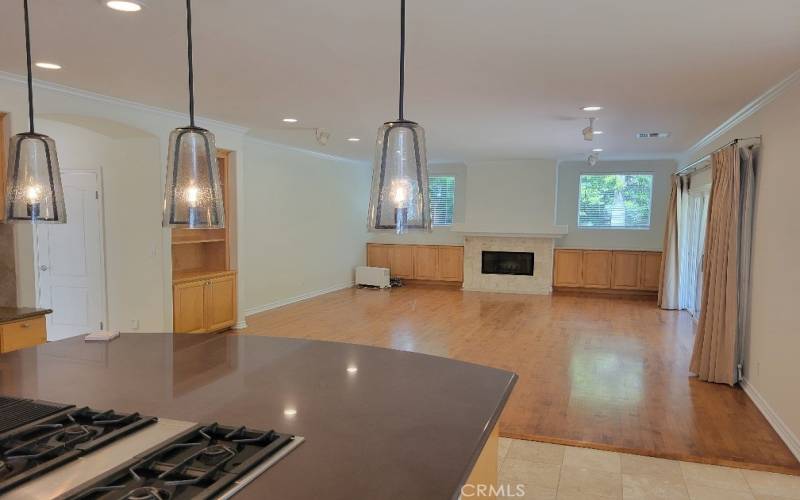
(602, 372)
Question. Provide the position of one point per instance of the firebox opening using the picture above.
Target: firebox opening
(516, 263)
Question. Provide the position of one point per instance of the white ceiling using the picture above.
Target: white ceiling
(487, 79)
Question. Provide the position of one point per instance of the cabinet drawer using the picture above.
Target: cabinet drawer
(22, 334)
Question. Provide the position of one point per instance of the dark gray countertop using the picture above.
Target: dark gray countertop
(403, 426)
(11, 314)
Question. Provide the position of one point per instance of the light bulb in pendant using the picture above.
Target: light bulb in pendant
(400, 192)
(33, 199)
(33, 193)
(192, 196)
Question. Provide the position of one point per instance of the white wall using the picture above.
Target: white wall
(306, 226)
(626, 239)
(773, 346)
(511, 196)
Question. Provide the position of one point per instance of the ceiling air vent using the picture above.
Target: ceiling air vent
(652, 135)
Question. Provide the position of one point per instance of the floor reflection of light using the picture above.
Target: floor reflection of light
(403, 341)
(607, 376)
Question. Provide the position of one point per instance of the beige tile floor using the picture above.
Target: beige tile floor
(550, 471)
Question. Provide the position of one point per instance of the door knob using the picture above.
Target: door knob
(43, 267)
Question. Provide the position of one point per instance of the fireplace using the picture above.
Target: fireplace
(515, 263)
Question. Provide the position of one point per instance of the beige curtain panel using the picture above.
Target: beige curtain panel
(714, 357)
(669, 288)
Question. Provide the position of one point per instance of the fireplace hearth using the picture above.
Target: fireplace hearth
(514, 263)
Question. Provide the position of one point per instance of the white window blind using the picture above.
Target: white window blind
(442, 193)
(616, 201)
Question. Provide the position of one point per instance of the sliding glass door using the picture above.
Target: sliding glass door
(692, 245)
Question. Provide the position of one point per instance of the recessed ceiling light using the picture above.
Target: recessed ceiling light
(598, 132)
(290, 412)
(125, 5)
(290, 120)
(598, 150)
(353, 139)
(592, 108)
(352, 369)
(48, 65)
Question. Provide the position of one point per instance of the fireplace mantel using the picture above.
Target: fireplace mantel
(548, 232)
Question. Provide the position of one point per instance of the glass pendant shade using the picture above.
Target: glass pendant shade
(33, 182)
(399, 197)
(193, 197)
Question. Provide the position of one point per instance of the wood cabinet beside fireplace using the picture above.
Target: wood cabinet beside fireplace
(602, 270)
(444, 263)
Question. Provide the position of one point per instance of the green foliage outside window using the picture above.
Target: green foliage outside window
(615, 200)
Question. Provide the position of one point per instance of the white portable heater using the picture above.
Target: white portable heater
(373, 276)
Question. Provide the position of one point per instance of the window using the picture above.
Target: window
(443, 194)
(615, 201)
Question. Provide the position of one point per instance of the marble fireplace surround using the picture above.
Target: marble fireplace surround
(541, 244)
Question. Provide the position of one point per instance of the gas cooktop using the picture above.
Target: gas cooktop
(33, 449)
(83, 453)
(211, 461)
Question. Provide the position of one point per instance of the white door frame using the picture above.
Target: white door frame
(98, 172)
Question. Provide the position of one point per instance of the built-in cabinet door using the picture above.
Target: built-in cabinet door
(426, 263)
(451, 263)
(568, 264)
(402, 261)
(625, 270)
(220, 303)
(189, 307)
(378, 255)
(650, 271)
(596, 268)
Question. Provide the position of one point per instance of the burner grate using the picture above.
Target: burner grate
(15, 412)
(38, 447)
(203, 463)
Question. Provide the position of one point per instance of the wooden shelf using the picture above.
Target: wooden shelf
(194, 242)
(198, 274)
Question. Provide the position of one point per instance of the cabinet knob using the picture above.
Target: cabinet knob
(25, 325)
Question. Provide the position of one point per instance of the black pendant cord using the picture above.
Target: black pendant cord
(30, 70)
(191, 65)
(402, 55)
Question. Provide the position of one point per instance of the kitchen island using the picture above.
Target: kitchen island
(377, 423)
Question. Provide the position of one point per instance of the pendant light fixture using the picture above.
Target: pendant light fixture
(33, 183)
(399, 197)
(193, 195)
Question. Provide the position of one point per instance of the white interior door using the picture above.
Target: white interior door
(70, 269)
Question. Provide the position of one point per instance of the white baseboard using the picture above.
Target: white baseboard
(777, 423)
(291, 300)
(240, 325)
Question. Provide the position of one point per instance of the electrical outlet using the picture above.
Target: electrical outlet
(134, 324)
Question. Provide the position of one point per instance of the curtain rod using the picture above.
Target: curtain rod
(693, 165)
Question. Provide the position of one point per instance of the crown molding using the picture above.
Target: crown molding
(744, 113)
(63, 89)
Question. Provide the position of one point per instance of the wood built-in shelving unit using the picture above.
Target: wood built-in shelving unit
(204, 282)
